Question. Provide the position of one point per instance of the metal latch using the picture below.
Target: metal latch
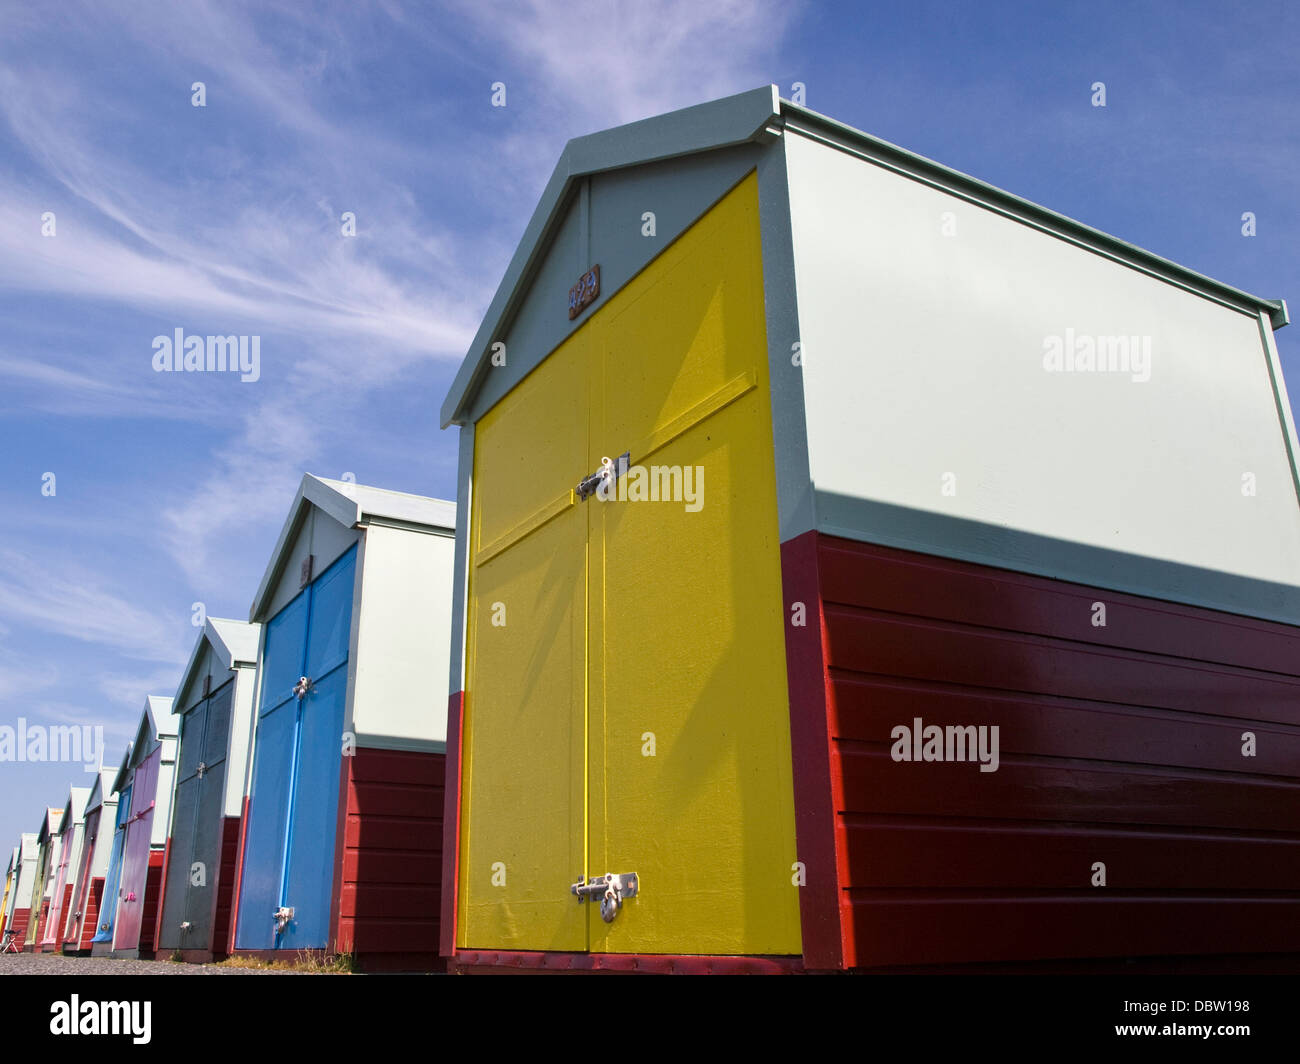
(303, 687)
(610, 470)
(282, 916)
(611, 889)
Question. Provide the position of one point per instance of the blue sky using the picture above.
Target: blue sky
(225, 219)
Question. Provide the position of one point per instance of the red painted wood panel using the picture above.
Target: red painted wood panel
(91, 919)
(1047, 726)
(880, 644)
(895, 853)
(239, 875)
(22, 918)
(1030, 789)
(230, 828)
(156, 923)
(152, 892)
(396, 867)
(943, 929)
(1121, 745)
(389, 900)
(823, 910)
(860, 574)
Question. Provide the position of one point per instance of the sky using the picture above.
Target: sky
(127, 212)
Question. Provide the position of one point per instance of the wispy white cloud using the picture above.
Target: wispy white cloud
(613, 65)
(228, 233)
(73, 601)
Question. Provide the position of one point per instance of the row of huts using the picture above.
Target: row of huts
(288, 796)
(854, 566)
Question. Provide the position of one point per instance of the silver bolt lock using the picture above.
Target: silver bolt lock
(610, 888)
(282, 916)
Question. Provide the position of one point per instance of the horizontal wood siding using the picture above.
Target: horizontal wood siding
(152, 894)
(1119, 744)
(390, 903)
(90, 919)
(225, 885)
(18, 925)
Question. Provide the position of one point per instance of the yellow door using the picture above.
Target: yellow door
(524, 763)
(669, 609)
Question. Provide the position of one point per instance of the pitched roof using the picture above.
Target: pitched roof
(157, 722)
(101, 788)
(737, 119)
(50, 825)
(351, 505)
(233, 642)
(75, 807)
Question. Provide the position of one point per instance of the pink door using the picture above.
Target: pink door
(55, 923)
(135, 855)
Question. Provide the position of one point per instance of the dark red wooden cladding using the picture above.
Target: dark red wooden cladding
(225, 885)
(390, 901)
(90, 922)
(1120, 744)
(65, 917)
(152, 892)
(895, 853)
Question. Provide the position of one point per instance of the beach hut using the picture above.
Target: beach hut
(341, 838)
(11, 882)
(72, 827)
(149, 775)
(19, 909)
(863, 567)
(102, 939)
(215, 705)
(47, 863)
(88, 878)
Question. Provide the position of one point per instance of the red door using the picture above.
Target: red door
(135, 855)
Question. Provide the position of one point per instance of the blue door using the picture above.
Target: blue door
(292, 811)
(108, 900)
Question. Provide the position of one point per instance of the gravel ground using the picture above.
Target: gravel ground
(57, 964)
